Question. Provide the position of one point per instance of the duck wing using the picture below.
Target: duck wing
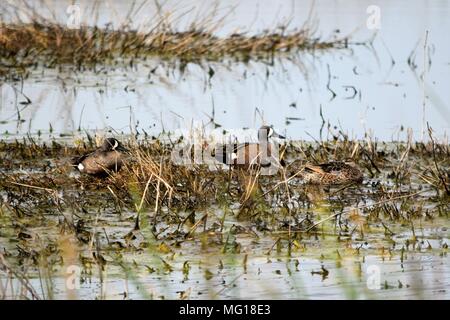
(77, 160)
(330, 167)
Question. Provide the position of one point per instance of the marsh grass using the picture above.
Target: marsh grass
(39, 40)
(155, 182)
(164, 205)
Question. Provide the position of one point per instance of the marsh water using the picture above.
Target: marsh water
(356, 257)
(362, 90)
(377, 91)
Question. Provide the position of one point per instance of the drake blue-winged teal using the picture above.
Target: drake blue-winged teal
(332, 173)
(108, 158)
(247, 154)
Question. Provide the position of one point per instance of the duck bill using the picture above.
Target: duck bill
(122, 149)
(279, 136)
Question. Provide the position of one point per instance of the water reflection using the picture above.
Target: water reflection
(365, 89)
(381, 88)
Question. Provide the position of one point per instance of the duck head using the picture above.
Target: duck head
(112, 144)
(266, 132)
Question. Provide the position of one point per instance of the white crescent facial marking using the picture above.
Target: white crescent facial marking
(270, 132)
(116, 144)
(234, 156)
(80, 167)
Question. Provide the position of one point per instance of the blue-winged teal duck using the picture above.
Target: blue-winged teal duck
(109, 157)
(332, 173)
(245, 155)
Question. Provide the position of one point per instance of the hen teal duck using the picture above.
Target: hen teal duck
(332, 173)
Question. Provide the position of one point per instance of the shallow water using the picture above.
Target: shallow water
(358, 256)
(373, 95)
(421, 272)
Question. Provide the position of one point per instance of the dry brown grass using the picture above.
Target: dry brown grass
(24, 44)
(152, 183)
(405, 185)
